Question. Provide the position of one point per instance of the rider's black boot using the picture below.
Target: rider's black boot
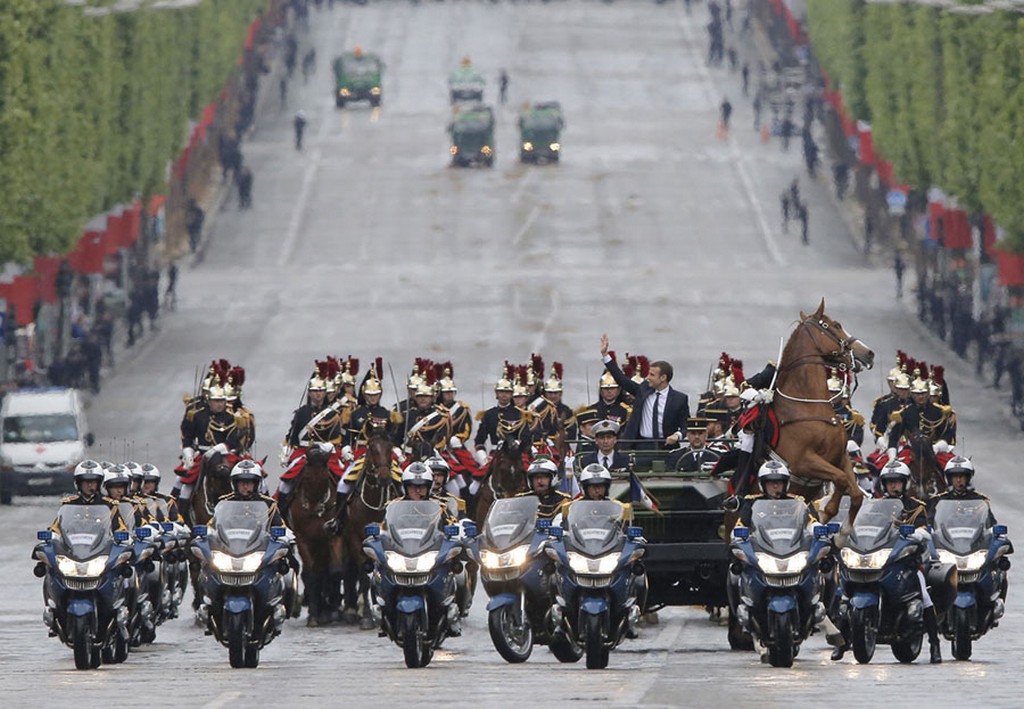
(741, 475)
(284, 501)
(337, 525)
(931, 624)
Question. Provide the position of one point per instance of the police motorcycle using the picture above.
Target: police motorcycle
(174, 541)
(597, 581)
(244, 561)
(964, 538)
(413, 581)
(517, 574)
(878, 574)
(84, 565)
(775, 584)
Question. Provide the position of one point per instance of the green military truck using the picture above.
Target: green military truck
(540, 132)
(472, 136)
(357, 78)
(465, 84)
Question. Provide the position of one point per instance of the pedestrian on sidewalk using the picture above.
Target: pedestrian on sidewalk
(801, 214)
(244, 188)
(194, 217)
(745, 74)
(869, 233)
(784, 201)
(283, 88)
(134, 316)
(171, 294)
(898, 267)
(103, 326)
(300, 127)
(726, 113)
(502, 86)
(308, 65)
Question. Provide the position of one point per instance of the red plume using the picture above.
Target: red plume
(629, 368)
(438, 371)
(645, 365)
(923, 366)
(557, 368)
(378, 364)
(939, 374)
(353, 366)
(323, 369)
(238, 376)
(737, 372)
(724, 362)
(537, 364)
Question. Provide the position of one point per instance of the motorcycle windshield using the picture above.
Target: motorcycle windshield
(240, 528)
(413, 526)
(876, 526)
(510, 522)
(127, 511)
(84, 531)
(157, 508)
(779, 527)
(961, 526)
(595, 527)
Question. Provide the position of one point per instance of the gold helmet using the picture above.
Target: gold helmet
(321, 379)
(371, 384)
(348, 372)
(504, 383)
(419, 373)
(445, 382)
(608, 381)
(554, 383)
(235, 380)
(902, 381)
(729, 387)
(920, 383)
(218, 392)
(835, 384)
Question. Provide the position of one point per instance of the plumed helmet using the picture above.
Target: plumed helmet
(919, 385)
(504, 383)
(595, 474)
(959, 465)
(417, 474)
(834, 383)
(117, 475)
(554, 383)
(729, 387)
(773, 470)
(246, 470)
(88, 470)
(902, 381)
(446, 382)
(608, 381)
(150, 473)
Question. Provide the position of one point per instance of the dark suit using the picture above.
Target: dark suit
(675, 406)
(620, 460)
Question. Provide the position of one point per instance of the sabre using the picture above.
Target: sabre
(777, 366)
(398, 400)
(588, 382)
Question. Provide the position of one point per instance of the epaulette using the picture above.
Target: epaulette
(857, 419)
(480, 415)
(580, 409)
(878, 399)
(463, 404)
(224, 497)
(460, 504)
(242, 417)
(68, 498)
(896, 416)
(752, 496)
(396, 418)
(190, 414)
(186, 399)
(346, 417)
(946, 410)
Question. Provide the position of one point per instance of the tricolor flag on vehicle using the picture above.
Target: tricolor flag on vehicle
(638, 494)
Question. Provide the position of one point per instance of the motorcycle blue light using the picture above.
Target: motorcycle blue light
(741, 533)
(470, 529)
(451, 530)
(167, 526)
(372, 530)
(278, 532)
(820, 530)
(543, 525)
(200, 530)
(556, 532)
(121, 536)
(999, 530)
(833, 528)
(44, 535)
(143, 532)
(906, 530)
(633, 533)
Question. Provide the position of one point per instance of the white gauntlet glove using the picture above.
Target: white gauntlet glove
(188, 457)
(480, 455)
(286, 454)
(455, 442)
(346, 454)
(749, 394)
(221, 448)
(326, 446)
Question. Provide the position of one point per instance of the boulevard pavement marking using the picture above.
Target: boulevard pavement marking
(222, 700)
(292, 235)
(530, 219)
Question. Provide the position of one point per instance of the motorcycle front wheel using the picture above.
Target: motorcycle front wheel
(416, 649)
(87, 657)
(780, 652)
(961, 625)
(512, 636)
(907, 650)
(235, 632)
(597, 651)
(864, 629)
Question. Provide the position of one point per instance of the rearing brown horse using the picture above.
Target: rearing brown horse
(812, 440)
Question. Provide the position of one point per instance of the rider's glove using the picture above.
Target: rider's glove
(455, 442)
(891, 454)
(749, 394)
(286, 454)
(397, 452)
(326, 446)
(188, 457)
(881, 443)
(346, 454)
(221, 448)
(481, 457)
(941, 446)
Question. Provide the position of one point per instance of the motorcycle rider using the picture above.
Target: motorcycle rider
(246, 477)
(443, 484)
(773, 479)
(542, 475)
(116, 481)
(88, 478)
(150, 475)
(895, 482)
(959, 474)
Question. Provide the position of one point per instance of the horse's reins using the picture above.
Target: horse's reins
(367, 479)
(826, 360)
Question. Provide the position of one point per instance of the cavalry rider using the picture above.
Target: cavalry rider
(150, 476)
(886, 405)
(116, 481)
(895, 482)
(606, 436)
(695, 455)
(246, 477)
(460, 418)
(215, 430)
(88, 478)
(550, 414)
(541, 476)
(851, 419)
(499, 419)
(403, 408)
(314, 424)
(370, 414)
(921, 417)
(245, 420)
(426, 427)
(959, 473)
(345, 399)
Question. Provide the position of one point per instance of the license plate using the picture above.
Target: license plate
(39, 482)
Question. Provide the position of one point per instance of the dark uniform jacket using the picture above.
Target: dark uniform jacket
(460, 419)
(275, 515)
(932, 420)
(620, 460)
(498, 418)
(429, 425)
(116, 523)
(549, 418)
(224, 427)
(690, 461)
(326, 429)
(617, 411)
(913, 512)
(852, 421)
(357, 428)
(551, 504)
(882, 408)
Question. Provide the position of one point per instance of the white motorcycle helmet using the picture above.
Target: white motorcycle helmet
(895, 470)
(150, 473)
(88, 470)
(417, 474)
(246, 470)
(116, 475)
(595, 474)
(959, 465)
(544, 466)
(773, 470)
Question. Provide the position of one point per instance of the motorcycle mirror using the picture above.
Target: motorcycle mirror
(142, 533)
(39, 570)
(372, 530)
(121, 536)
(200, 530)
(999, 530)
(555, 532)
(821, 530)
(543, 525)
(906, 530)
(634, 533)
(167, 526)
(44, 535)
(451, 530)
(741, 533)
(833, 528)
(470, 529)
(278, 532)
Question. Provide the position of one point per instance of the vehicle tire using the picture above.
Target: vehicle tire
(597, 651)
(564, 649)
(251, 655)
(375, 102)
(117, 651)
(906, 651)
(234, 630)
(780, 652)
(513, 642)
(739, 639)
(961, 626)
(489, 160)
(81, 640)
(411, 643)
(864, 632)
(339, 102)
(5, 491)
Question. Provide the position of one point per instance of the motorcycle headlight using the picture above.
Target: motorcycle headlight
(601, 566)
(776, 566)
(486, 150)
(505, 560)
(971, 562)
(454, 149)
(89, 569)
(237, 564)
(410, 564)
(874, 560)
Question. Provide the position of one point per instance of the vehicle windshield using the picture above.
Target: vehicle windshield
(127, 510)
(240, 528)
(412, 526)
(595, 526)
(510, 522)
(40, 428)
(544, 121)
(361, 66)
(84, 531)
(473, 123)
(876, 525)
(961, 526)
(779, 526)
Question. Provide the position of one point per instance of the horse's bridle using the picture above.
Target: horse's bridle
(841, 359)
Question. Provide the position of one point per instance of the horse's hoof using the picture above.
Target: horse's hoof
(367, 624)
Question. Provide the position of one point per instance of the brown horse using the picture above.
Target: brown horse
(321, 552)
(812, 440)
(373, 491)
(925, 472)
(505, 476)
(213, 483)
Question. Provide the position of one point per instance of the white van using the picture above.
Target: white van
(43, 436)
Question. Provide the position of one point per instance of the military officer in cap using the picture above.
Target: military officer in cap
(500, 418)
(586, 417)
(606, 436)
(695, 456)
